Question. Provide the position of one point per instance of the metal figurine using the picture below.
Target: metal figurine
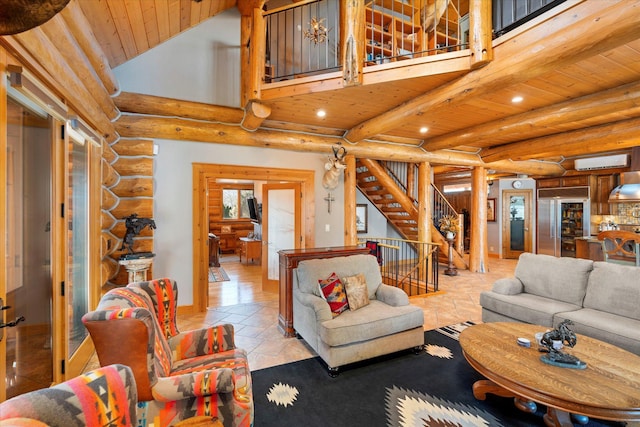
(134, 226)
(555, 356)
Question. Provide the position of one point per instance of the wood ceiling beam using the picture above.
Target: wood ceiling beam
(82, 32)
(622, 98)
(592, 28)
(595, 139)
(139, 126)
(129, 102)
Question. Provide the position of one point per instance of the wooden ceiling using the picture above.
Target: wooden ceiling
(125, 29)
(577, 68)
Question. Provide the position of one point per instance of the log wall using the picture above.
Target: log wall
(127, 188)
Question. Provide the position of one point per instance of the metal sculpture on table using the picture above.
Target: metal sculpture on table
(134, 226)
(552, 343)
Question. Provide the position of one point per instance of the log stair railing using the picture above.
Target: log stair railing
(389, 195)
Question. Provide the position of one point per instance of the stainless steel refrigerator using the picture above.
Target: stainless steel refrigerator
(560, 221)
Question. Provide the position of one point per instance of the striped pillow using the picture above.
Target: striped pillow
(333, 291)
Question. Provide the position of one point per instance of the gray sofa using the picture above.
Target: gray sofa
(601, 299)
(388, 324)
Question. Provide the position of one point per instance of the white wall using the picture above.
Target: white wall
(196, 66)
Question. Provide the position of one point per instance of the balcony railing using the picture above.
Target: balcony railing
(406, 264)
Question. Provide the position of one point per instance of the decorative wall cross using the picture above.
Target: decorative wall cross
(329, 199)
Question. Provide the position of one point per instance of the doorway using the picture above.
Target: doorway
(517, 233)
(202, 173)
(281, 228)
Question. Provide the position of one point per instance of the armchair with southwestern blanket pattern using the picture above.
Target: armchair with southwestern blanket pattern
(179, 375)
(103, 397)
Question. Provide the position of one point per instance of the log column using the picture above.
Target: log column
(252, 49)
(350, 232)
(480, 33)
(424, 210)
(352, 41)
(479, 247)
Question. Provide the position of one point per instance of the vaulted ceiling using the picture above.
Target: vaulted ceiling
(577, 68)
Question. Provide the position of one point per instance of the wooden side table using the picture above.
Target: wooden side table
(228, 242)
(251, 249)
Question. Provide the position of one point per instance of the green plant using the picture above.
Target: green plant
(449, 223)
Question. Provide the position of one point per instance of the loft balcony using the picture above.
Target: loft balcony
(380, 41)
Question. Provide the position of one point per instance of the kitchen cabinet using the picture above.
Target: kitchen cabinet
(250, 249)
(391, 31)
(564, 181)
(601, 187)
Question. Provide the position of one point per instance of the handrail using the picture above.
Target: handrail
(410, 265)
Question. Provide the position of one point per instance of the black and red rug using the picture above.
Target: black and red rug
(404, 389)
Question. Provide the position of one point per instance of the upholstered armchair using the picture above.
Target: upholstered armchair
(179, 375)
(103, 397)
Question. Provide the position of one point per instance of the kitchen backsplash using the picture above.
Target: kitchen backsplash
(627, 217)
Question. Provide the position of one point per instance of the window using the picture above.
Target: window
(234, 203)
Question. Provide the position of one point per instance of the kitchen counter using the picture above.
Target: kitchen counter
(589, 247)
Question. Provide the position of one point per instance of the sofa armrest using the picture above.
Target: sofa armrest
(200, 342)
(392, 296)
(317, 304)
(508, 286)
(194, 384)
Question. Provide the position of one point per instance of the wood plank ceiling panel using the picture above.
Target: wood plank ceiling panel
(120, 16)
(99, 16)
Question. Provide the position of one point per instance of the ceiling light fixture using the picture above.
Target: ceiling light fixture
(424, 129)
(321, 113)
(317, 32)
(517, 99)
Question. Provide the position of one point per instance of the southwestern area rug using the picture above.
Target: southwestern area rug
(404, 389)
(217, 274)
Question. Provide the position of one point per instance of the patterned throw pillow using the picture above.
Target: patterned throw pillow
(357, 292)
(333, 291)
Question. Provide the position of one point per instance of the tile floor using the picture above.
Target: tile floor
(254, 313)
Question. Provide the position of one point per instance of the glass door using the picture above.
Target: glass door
(516, 218)
(28, 355)
(571, 213)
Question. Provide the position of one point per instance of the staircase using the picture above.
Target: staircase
(388, 192)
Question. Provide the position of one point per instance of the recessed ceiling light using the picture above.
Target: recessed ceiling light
(424, 129)
(517, 99)
(321, 113)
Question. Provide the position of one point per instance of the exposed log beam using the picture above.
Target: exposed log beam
(57, 31)
(622, 98)
(255, 114)
(187, 130)
(596, 139)
(81, 30)
(523, 58)
(34, 48)
(129, 102)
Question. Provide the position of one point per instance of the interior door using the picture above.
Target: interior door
(27, 356)
(517, 234)
(281, 228)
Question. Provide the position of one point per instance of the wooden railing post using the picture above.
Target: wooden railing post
(352, 41)
(480, 29)
(252, 49)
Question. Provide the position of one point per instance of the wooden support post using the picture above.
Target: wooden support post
(252, 49)
(424, 213)
(411, 179)
(481, 45)
(478, 249)
(352, 41)
(350, 232)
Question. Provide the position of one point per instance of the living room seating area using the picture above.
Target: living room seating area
(179, 375)
(601, 299)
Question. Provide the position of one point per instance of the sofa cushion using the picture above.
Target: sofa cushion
(608, 327)
(333, 292)
(310, 271)
(561, 279)
(372, 321)
(525, 307)
(356, 289)
(614, 288)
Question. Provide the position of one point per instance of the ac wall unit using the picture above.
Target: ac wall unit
(604, 162)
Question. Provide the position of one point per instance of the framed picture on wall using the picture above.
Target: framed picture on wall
(491, 210)
(361, 218)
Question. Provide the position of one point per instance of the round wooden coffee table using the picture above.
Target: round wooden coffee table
(609, 388)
